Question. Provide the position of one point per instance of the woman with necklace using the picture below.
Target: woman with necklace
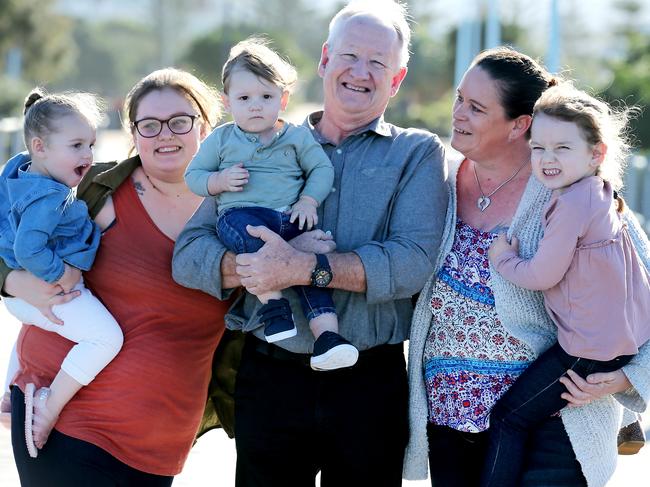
(135, 423)
(473, 333)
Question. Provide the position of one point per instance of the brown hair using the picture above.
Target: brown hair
(520, 80)
(597, 121)
(254, 55)
(43, 110)
(204, 97)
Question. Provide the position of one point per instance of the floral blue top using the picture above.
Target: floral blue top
(470, 360)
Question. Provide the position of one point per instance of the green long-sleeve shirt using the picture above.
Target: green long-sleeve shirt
(291, 165)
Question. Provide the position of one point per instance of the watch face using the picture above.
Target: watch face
(322, 277)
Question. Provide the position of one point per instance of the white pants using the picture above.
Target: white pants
(86, 322)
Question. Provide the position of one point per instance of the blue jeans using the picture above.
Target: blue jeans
(534, 397)
(231, 229)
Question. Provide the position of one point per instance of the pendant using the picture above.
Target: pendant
(483, 202)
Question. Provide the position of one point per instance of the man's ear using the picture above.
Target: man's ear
(324, 59)
(520, 126)
(598, 153)
(396, 82)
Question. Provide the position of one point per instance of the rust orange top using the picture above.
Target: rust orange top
(144, 408)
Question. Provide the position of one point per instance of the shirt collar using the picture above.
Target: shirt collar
(378, 126)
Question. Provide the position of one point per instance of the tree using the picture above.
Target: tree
(114, 54)
(43, 39)
(630, 71)
(43, 36)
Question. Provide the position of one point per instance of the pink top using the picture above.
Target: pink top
(596, 289)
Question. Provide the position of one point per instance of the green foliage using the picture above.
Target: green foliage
(114, 55)
(42, 35)
(44, 40)
(207, 54)
(631, 72)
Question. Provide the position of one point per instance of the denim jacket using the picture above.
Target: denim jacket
(44, 225)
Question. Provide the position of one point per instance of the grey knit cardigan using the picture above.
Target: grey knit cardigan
(593, 428)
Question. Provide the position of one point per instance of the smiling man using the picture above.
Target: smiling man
(386, 214)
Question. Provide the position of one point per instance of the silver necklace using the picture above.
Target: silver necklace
(484, 200)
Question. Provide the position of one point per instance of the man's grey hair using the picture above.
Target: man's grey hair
(391, 12)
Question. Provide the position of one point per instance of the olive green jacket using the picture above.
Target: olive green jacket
(101, 181)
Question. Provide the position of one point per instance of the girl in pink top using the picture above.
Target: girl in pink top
(596, 289)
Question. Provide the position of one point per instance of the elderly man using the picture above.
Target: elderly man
(386, 214)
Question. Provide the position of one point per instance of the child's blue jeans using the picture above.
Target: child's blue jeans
(231, 229)
(533, 397)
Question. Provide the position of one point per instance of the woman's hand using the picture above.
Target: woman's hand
(40, 294)
(581, 391)
(316, 241)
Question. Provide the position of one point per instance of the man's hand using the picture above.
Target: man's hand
(316, 242)
(276, 266)
(501, 245)
(304, 210)
(71, 276)
(581, 391)
(230, 179)
(40, 294)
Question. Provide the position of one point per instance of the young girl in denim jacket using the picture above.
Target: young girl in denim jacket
(596, 288)
(45, 230)
(266, 171)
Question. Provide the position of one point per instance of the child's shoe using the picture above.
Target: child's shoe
(332, 351)
(278, 320)
(631, 439)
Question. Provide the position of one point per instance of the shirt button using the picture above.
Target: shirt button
(339, 151)
(333, 190)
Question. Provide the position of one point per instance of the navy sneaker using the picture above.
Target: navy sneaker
(278, 320)
(332, 351)
(631, 439)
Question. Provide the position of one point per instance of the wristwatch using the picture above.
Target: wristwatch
(322, 275)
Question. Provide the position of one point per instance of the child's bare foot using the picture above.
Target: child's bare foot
(44, 419)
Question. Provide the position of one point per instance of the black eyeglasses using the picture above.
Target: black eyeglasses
(179, 125)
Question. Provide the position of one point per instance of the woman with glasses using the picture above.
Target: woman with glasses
(135, 423)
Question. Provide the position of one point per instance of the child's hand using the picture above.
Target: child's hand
(304, 210)
(69, 279)
(233, 178)
(501, 245)
(315, 242)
